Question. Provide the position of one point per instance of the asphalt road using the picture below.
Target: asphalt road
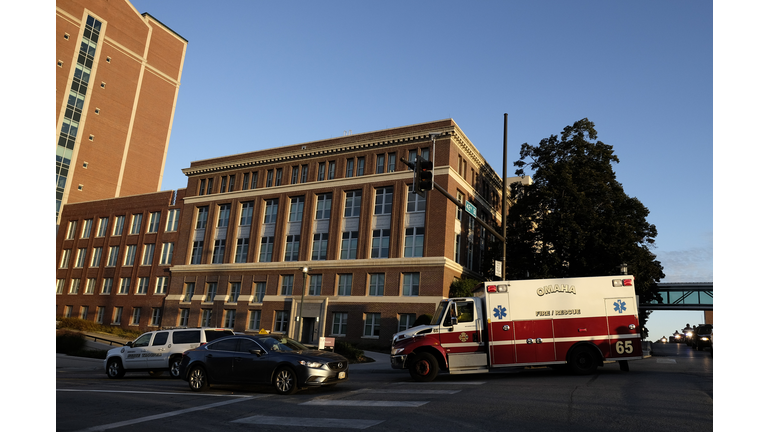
(671, 390)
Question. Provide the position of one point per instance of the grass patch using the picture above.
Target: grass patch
(90, 326)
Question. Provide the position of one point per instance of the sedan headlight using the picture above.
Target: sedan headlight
(705, 338)
(311, 364)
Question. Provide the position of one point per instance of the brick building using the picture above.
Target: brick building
(117, 79)
(323, 238)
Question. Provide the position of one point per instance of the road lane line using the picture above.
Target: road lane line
(160, 416)
(365, 403)
(408, 391)
(310, 422)
(162, 393)
(440, 383)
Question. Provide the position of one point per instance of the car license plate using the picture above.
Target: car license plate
(342, 375)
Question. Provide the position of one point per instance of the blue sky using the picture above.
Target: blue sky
(261, 74)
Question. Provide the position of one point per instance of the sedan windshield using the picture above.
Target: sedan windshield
(281, 344)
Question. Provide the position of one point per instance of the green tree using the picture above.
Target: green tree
(462, 287)
(575, 219)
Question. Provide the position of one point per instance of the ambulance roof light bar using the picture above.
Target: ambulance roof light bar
(497, 288)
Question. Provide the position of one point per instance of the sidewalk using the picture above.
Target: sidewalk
(380, 362)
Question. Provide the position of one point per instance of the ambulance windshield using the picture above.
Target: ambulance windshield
(439, 312)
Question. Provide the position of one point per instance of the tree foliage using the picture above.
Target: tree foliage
(575, 219)
(462, 287)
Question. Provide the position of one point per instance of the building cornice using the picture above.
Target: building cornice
(296, 266)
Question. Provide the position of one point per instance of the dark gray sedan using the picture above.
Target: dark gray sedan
(262, 359)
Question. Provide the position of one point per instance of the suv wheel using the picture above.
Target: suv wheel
(115, 368)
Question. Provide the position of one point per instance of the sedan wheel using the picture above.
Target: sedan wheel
(285, 381)
(198, 379)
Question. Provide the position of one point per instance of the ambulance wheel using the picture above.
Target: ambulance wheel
(583, 361)
(424, 367)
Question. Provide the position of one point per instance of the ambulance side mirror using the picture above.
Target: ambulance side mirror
(454, 320)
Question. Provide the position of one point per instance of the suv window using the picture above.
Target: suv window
(212, 335)
(142, 340)
(160, 339)
(186, 336)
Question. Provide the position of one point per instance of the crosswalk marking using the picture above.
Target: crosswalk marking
(408, 391)
(309, 422)
(440, 383)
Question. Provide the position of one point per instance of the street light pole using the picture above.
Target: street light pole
(304, 271)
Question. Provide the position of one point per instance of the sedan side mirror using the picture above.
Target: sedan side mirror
(257, 351)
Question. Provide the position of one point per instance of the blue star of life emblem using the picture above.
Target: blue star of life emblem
(499, 312)
(619, 306)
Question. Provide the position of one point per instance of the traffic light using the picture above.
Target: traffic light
(422, 176)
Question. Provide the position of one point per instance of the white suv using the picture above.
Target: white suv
(158, 351)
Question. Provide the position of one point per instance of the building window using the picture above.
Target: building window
(350, 167)
(414, 242)
(219, 247)
(83, 312)
(154, 222)
(117, 315)
(223, 220)
(87, 229)
(71, 230)
(380, 164)
(143, 286)
(161, 285)
(294, 175)
(166, 254)
(278, 176)
(99, 315)
(241, 250)
(339, 327)
(319, 246)
(360, 166)
(265, 250)
(125, 285)
(197, 252)
(315, 285)
(114, 251)
(352, 203)
(90, 286)
(323, 210)
(102, 230)
(372, 323)
(380, 243)
(269, 178)
(67, 311)
(202, 218)
(136, 224)
(260, 289)
(60, 286)
(270, 211)
(392, 157)
(130, 255)
(383, 203)
(157, 314)
(149, 253)
(457, 248)
(304, 173)
(331, 170)
(297, 209)
(210, 292)
(189, 290)
(405, 321)
(229, 318)
(246, 213)
(376, 284)
(349, 245)
(80, 260)
(106, 286)
(183, 317)
(135, 316)
(286, 288)
(254, 320)
(96, 257)
(74, 286)
(321, 171)
(254, 180)
(173, 220)
(234, 292)
(119, 222)
(292, 244)
(415, 202)
(345, 285)
(281, 321)
(410, 284)
(64, 263)
(459, 211)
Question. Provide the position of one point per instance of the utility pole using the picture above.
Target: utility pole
(504, 206)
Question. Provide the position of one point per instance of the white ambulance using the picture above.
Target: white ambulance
(578, 322)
